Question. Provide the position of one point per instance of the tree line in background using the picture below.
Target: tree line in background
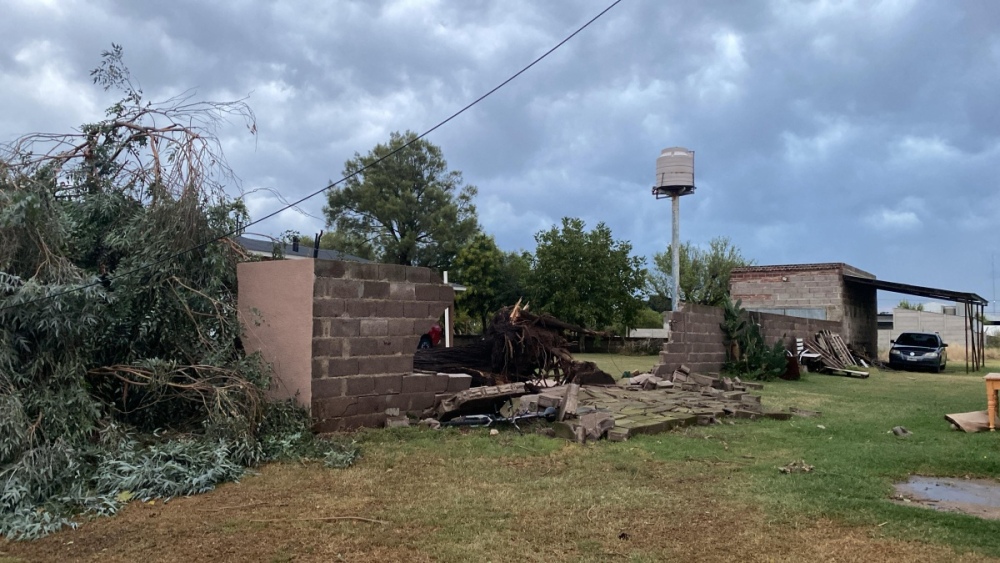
(400, 204)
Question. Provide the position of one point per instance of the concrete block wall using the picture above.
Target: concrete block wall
(698, 342)
(951, 327)
(813, 287)
(340, 336)
(367, 321)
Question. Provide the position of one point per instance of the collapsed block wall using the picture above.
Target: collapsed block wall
(367, 321)
(697, 339)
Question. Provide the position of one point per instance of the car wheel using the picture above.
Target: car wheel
(940, 369)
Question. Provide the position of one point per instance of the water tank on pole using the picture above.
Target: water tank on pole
(674, 172)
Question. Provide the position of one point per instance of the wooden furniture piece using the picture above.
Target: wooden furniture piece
(992, 386)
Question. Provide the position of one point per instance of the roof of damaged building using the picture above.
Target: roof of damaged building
(825, 266)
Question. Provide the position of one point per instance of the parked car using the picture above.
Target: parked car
(913, 350)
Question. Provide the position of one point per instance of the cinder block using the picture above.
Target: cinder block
(361, 308)
(376, 290)
(438, 383)
(328, 387)
(361, 271)
(344, 288)
(326, 307)
(400, 327)
(399, 364)
(327, 347)
(372, 365)
(371, 404)
(359, 385)
(391, 272)
(345, 327)
(401, 291)
(418, 275)
(339, 367)
(329, 268)
(321, 327)
(388, 384)
(421, 401)
(361, 347)
(335, 407)
(415, 309)
(415, 383)
(426, 292)
(320, 368)
(389, 309)
(458, 382)
(374, 327)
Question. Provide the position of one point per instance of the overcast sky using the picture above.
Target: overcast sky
(865, 132)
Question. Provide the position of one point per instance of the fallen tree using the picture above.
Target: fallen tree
(517, 346)
(122, 373)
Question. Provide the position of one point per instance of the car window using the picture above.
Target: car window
(914, 339)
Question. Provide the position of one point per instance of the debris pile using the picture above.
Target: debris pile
(828, 353)
(643, 404)
(517, 346)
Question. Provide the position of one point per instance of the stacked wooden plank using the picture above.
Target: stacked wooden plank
(834, 355)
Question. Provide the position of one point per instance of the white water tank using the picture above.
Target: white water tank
(675, 168)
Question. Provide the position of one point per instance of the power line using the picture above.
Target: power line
(334, 184)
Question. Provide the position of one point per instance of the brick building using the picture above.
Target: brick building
(830, 292)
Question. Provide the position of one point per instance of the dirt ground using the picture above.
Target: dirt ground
(517, 503)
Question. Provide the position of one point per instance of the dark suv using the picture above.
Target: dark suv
(911, 350)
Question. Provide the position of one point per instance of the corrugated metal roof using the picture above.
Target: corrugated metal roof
(919, 290)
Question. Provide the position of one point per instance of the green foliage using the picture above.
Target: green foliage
(586, 278)
(904, 304)
(121, 365)
(748, 355)
(704, 277)
(648, 318)
(408, 209)
(478, 266)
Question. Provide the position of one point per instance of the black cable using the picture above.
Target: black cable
(334, 184)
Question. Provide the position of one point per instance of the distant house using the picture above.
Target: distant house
(266, 248)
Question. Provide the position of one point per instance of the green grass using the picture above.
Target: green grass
(616, 364)
(856, 457)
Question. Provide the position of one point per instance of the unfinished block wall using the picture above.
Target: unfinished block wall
(697, 340)
(341, 335)
(814, 291)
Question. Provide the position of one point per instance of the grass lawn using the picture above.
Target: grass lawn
(703, 493)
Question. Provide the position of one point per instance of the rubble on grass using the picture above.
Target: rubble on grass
(642, 404)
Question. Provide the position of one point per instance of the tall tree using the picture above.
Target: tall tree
(587, 278)
(478, 267)
(407, 209)
(704, 277)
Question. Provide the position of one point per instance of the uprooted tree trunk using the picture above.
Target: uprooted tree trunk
(516, 346)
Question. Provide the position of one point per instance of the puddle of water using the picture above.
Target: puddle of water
(978, 497)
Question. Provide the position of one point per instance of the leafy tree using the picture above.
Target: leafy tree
(586, 278)
(493, 278)
(905, 304)
(478, 267)
(704, 277)
(407, 209)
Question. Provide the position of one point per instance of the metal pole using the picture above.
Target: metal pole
(447, 319)
(675, 251)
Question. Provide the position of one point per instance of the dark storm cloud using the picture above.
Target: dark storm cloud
(824, 131)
